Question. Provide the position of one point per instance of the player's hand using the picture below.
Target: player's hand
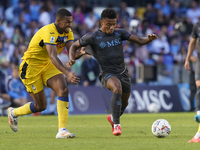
(152, 37)
(187, 65)
(70, 63)
(71, 76)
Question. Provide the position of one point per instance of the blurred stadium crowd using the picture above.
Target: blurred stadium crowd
(171, 20)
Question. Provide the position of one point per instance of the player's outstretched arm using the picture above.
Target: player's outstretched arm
(79, 52)
(52, 51)
(142, 40)
(191, 48)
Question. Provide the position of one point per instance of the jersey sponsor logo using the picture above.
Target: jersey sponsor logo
(52, 33)
(114, 42)
(52, 39)
(110, 43)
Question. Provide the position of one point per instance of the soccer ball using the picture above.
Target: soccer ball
(161, 128)
(154, 108)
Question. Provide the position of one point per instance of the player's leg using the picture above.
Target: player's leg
(114, 85)
(38, 105)
(196, 138)
(59, 85)
(52, 102)
(126, 88)
(34, 86)
(124, 99)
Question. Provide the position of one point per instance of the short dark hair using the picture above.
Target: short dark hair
(62, 12)
(108, 13)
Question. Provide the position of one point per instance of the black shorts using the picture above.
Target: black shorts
(123, 77)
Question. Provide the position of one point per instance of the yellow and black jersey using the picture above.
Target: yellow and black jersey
(48, 34)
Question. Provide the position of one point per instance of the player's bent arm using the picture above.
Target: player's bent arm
(142, 40)
(79, 52)
(52, 51)
(73, 49)
(191, 48)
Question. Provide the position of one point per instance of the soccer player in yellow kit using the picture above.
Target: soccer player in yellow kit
(41, 66)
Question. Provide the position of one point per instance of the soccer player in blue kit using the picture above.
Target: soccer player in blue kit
(106, 47)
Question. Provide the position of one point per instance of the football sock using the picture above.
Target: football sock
(116, 107)
(26, 109)
(197, 135)
(111, 117)
(198, 112)
(198, 99)
(199, 129)
(122, 110)
(62, 108)
(61, 129)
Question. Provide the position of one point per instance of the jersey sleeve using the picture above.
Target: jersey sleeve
(86, 40)
(194, 32)
(49, 37)
(125, 34)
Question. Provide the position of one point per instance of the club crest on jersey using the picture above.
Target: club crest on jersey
(102, 45)
(52, 39)
(62, 39)
(65, 39)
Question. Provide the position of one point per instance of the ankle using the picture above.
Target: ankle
(115, 125)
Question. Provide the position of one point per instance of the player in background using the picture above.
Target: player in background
(106, 46)
(41, 65)
(191, 47)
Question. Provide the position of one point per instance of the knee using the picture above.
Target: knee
(63, 92)
(117, 89)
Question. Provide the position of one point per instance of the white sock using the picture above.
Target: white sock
(117, 125)
(61, 129)
(12, 112)
(52, 107)
(198, 112)
(197, 135)
(111, 118)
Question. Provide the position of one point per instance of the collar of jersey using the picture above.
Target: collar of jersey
(57, 29)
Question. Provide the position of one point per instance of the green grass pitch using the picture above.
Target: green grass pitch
(94, 133)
